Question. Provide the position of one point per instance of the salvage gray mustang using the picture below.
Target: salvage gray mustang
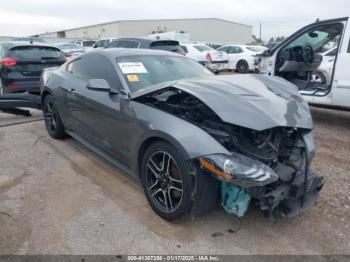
(188, 136)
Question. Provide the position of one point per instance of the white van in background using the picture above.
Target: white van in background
(298, 57)
(180, 36)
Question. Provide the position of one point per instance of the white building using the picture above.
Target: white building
(210, 30)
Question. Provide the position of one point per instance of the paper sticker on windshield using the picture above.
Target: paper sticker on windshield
(133, 78)
(132, 68)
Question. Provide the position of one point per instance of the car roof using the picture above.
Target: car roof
(144, 39)
(192, 44)
(107, 38)
(240, 45)
(12, 44)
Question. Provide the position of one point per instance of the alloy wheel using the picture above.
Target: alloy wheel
(50, 116)
(242, 67)
(164, 181)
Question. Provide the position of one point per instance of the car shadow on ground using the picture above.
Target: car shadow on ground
(333, 117)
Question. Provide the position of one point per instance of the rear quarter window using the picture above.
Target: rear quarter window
(36, 52)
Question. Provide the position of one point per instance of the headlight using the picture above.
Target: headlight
(238, 169)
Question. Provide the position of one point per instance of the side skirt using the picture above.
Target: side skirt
(104, 155)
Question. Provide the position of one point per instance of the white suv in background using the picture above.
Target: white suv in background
(241, 57)
(207, 56)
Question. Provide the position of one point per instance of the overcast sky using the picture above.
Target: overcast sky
(278, 17)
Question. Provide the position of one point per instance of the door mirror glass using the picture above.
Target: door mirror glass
(98, 85)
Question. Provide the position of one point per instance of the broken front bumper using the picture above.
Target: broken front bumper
(244, 180)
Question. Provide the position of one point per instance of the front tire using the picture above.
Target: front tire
(53, 122)
(242, 67)
(166, 181)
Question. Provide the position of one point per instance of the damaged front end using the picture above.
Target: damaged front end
(270, 168)
(267, 165)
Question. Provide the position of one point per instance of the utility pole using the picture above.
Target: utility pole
(260, 32)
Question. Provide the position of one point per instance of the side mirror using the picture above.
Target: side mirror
(98, 85)
(94, 46)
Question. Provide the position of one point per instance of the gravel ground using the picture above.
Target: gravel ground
(57, 197)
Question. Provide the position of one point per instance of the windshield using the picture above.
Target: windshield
(147, 70)
(319, 38)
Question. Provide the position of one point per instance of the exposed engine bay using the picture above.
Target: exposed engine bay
(282, 152)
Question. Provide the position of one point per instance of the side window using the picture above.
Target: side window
(122, 44)
(129, 44)
(349, 47)
(224, 49)
(85, 68)
(114, 44)
(235, 50)
(102, 43)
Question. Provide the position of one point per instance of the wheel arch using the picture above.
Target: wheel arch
(204, 188)
(242, 60)
(44, 94)
(158, 136)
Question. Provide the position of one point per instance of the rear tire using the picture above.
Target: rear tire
(166, 181)
(53, 122)
(242, 67)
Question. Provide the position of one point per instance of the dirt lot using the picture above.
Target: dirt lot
(57, 197)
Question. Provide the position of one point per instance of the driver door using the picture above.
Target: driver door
(97, 115)
(341, 80)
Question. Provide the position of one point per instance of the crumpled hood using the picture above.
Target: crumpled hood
(252, 101)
